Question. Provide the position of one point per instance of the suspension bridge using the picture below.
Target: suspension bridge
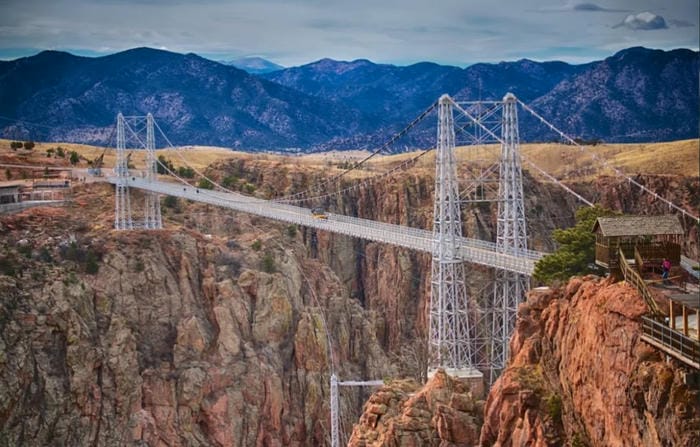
(463, 338)
(466, 338)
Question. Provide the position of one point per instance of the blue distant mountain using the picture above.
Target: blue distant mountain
(637, 94)
(254, 65)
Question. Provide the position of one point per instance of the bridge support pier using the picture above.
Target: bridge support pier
(123, 218)
(451, 343)
(509, 287)
(152, 216)
(122, 207)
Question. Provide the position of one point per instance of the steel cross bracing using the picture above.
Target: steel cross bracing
(468, 250)
(509, 288)
(450, 335)
(152, 216)
(123, 216)
(335, 403)
(122, 204)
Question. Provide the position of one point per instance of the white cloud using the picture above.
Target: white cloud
(643, 21)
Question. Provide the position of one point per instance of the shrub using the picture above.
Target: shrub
(74, 158)
(553, 404)
(7, 266)
(229, 181)
(170, 202)
(50, 151)
(291, 230)
(249, 188)
(91, 265)
(45, 255)
(29, 145)
(14, 145)
(185, 172)
(70, 279)
(205, 184)
(268, 263)
(577, 441)
(25, 250)
(163, 165)
(60, 152)
(257, 245)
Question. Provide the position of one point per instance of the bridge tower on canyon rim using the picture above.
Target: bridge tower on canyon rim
(511, 237)
(123, 219)
(464, 339)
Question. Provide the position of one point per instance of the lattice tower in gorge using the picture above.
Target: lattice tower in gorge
(511, 237)
(450, 334)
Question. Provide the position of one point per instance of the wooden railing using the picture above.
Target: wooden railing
(671, 341)
(638, 261)
(632, 277)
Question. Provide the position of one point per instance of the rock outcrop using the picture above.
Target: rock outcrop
(444, 412)
(580, 375)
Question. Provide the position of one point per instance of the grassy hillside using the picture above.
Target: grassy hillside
(561, 161)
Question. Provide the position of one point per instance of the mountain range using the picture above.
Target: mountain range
(638, 94)
(254, 65)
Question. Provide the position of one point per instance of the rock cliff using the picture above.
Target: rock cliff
(580, 375)
(443, 412)
(169, 337)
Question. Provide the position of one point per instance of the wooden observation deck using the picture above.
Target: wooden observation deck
(632, 246)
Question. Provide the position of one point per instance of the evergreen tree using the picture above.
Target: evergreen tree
(576, 252)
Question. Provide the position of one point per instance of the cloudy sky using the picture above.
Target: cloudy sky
(294, 32)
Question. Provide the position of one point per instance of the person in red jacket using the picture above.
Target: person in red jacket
(666, 267)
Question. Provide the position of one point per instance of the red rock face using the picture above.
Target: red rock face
(177, 340)
(443, 412)
(580, 375)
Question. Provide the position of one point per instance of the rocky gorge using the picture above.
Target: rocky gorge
(222, 329)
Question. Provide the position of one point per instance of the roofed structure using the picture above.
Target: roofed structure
(638, 226)
(647, 239)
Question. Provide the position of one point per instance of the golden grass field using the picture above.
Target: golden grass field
(561, 161)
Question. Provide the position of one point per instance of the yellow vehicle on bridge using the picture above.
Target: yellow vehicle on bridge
(319, 213)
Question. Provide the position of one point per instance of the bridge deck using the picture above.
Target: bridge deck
(469, 250)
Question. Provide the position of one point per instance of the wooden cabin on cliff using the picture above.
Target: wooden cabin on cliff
(646, 239)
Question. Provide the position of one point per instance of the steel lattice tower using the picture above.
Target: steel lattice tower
(152, 217)
(335, 412)
(122, 208)
(509, 287)
(450, 333)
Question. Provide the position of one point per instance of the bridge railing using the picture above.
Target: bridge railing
(675, 343)
(419, 233)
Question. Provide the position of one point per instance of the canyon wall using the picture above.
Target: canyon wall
(170, 337)
(580, 375)
(223, 328)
